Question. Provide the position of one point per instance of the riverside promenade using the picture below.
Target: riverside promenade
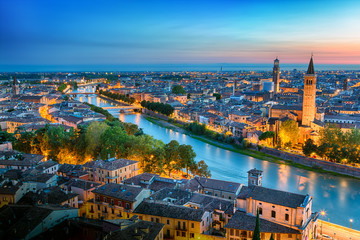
(337, 232)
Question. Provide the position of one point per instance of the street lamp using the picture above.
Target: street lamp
(322, 217)
(351, 222)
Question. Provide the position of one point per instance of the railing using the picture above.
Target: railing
(180, 228)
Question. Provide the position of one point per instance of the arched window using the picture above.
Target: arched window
(273, 214)
(260, 211)
(286, 217)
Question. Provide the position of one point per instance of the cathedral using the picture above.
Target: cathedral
(306, 114)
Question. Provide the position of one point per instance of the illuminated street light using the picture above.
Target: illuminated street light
(351, 222)
(322, 217)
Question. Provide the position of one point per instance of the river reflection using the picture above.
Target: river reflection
(338, 196)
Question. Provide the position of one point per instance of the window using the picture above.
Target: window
(98, 207)
(192, 225)
(157, 220)
(177, 233)
(183, 234)
(152, 219)
(192, 235)
(184, 225)
(112, 211)
(273, 214)
(262, 235)
(260, 211)
(289, 235)
(231, 232)
(286, 217)
(105, 200)
(112, 202)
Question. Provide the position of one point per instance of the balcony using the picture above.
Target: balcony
(181, 229)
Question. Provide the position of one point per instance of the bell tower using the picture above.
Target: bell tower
(15, 87)
(255, 177)
(309, 107)
(276, 75)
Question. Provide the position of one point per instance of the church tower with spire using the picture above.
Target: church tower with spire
(309, 107)
(276, 75)
(15, 87)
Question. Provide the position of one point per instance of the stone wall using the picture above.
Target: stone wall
(312, 162)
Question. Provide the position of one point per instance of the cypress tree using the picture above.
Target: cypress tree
(256, 235)
(271, 237)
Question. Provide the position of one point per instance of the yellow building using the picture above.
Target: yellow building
(116, 170)
(180, 222)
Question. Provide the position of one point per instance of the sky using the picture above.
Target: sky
(113, 32)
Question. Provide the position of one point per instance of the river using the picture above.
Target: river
(339, 197)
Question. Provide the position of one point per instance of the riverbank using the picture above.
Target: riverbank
(249, 152)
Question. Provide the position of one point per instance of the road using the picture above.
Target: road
(337, 232)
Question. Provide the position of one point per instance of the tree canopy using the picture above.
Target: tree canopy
(289, 133)
(103, 140)
(178, 89)
(336, 145)
(62, 87)
(162, 108)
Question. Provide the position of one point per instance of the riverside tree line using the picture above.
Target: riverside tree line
(101, 140)
(117, 96)
(336, 145)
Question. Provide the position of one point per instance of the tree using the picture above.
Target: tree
(268, 136)
(187, 157)
(6, 137)
(178, 89)
(130, 128)
(309, 147)
(172, 155)
(93, 138)
(322, 150)
(62, 87)
(25, 142)
(331, 134)
(256, 235)
(113, 143)
(217, 95)
(289, 133)
(202, 170)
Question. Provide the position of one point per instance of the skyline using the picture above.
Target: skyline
(178, 32)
